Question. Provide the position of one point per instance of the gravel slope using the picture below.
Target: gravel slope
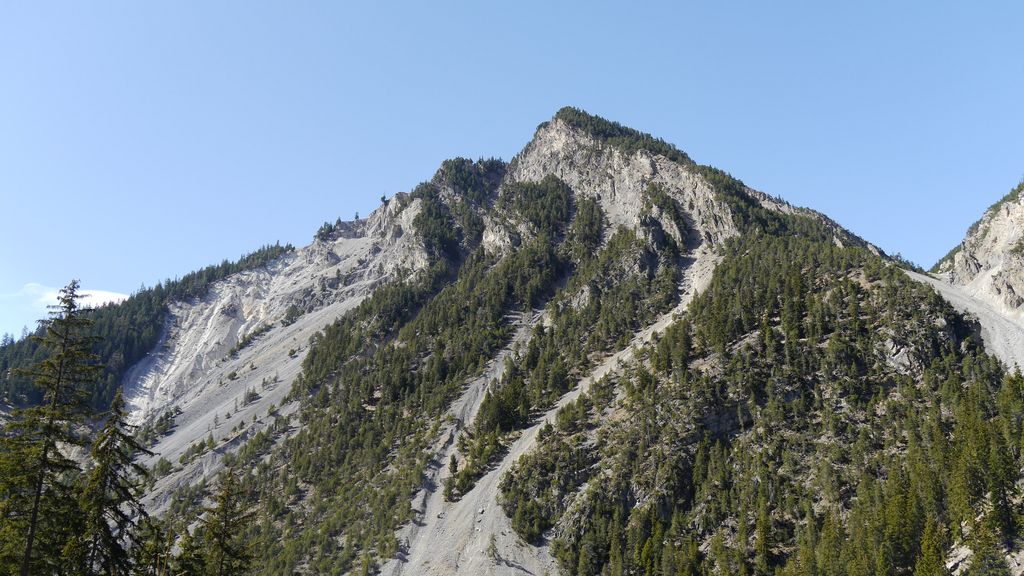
(1003, 334)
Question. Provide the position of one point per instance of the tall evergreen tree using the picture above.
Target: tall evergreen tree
(1001, 479)
(191, 560)
(762, 531)
(109, 498)
(39, 505)
(987, 558)
(227, 553)
(931, 560)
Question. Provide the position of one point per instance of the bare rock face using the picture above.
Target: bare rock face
(983, 277)
(989, 263)
(619, 181)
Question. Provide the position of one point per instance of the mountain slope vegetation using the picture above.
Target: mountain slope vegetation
(816, 412)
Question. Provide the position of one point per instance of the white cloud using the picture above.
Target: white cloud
(30, 289)
(96, 298)
(45, 296)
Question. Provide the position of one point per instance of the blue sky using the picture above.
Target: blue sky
(142, 140)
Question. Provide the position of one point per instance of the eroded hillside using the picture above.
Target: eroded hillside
(223, 369)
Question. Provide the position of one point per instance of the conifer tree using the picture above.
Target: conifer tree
(109, 498)
(1001, 481)
(987, 558)
(38, 507)
(930, 561)
(191, 560)
(226, 551)
(762, 532)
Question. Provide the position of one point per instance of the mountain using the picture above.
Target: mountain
(598, 358)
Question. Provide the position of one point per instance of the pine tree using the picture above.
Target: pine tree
(1001, 481)
(987, 559)
(109, 498)
(762, 531)
(902, 520)
(930, 562)
(830, 545)
(191, 560)
(227, 553)
(38, 510)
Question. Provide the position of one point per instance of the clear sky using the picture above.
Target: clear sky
(142, 140)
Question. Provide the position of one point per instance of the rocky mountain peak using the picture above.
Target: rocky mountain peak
(621, 168)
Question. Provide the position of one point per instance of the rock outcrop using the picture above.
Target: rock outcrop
(983, 277)
(989, 263)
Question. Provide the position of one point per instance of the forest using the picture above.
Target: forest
(772, 432)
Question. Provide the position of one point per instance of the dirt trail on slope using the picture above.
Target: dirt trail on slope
(1003, 336)
(474, 536)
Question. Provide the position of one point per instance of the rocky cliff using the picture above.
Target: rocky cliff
(226, 362)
